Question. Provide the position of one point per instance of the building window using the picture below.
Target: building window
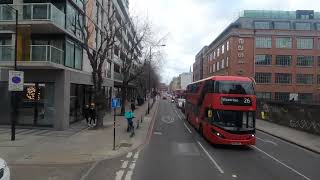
(303, 26)
(318, 79)
(319, 43)
(304, 79)
(305, 97)
(282, 25)
(283, 60)
(214, 67)
(263, 59)
(283, 78)
(222, 49)
(218, 52)
(305, 61)
(304, 43)
(263, 78)
(282, 96)
(284, 42)
(318, 61)
(218, 66)
(214, 54)
(263, 42)
(262, 25)
(227, 63)
(69, 54)
(78, 57)
(228, 45)
(263, 95)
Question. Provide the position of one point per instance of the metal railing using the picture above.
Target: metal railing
(34, 12)
(46, 53)
(6, 52)
(117, 76)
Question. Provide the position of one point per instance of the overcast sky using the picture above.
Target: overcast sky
(192, 24)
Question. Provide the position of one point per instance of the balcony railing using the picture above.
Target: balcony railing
(33, 12)
(6, 53)
(117, 76)
(46, 53)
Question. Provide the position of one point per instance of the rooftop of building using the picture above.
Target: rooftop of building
(272, 14)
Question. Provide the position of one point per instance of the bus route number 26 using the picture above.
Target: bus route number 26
(247, 101)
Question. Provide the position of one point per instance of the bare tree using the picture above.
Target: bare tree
(100, 52)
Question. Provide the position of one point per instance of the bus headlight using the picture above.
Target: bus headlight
(252, 135)
(217, 133)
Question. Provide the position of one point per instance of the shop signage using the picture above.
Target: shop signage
(16, 79)
(236, 101)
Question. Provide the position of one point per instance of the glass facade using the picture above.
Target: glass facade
(306, 61)
(305, 43)
(262, 25)
(282, 96)
(282, 25)
(263, 78)
(283, 78)
(263, 42)
(305, 97)
(263, 59)
(283, 42)
(36, 104)
(74, 55)
(304, 79)
(302, 26)
(283, 60)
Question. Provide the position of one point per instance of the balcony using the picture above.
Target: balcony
(6, 53)
(41, 57)
(117, 76)
(34, 14)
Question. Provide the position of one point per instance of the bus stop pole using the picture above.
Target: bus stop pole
(114, 128)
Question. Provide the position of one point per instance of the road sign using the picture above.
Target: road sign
(115, 103)
(16, 79)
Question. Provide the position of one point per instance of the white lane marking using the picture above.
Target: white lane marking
(129, 154)
(132, 166)
(177, 114)
(157, 133)
(278, 161)
(267, 141)
(136, 156)
(119, 175)
(187, 128)
(124, 164)
(128, 175)
(85, 176)
(234, 176)
(286, 142)
(211, 158)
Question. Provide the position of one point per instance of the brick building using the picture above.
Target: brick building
(198, 71)
(280, 49)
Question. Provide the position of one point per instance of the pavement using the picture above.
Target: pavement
(300, 138)
(177, 151)
(77, 145)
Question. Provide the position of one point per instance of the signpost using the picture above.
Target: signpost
(115, 103)
(16, 80)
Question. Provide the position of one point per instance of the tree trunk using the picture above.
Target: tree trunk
(123, 99)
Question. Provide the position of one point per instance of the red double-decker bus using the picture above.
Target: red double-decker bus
(223, 109)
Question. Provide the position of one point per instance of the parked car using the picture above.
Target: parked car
(4, 170)
(181, 102)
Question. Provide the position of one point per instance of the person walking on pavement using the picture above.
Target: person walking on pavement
(133, 106)
(86, 113)
(92, 112)
(129, 115)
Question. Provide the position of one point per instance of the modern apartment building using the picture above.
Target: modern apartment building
(279, 49)
(56, 68)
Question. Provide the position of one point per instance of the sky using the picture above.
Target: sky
(191, 24)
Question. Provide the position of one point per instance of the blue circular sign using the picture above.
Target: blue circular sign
(16, 79)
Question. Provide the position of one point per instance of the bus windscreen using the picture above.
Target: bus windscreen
(234, 87)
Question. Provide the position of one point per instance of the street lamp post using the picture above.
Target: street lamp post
(13, 93)
(149, 86)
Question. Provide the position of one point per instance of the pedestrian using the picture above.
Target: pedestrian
(129, 115)
(133, 106)
(86, 113)
(92, 113)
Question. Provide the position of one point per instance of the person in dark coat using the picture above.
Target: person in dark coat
(86, 113)
(133, 106)
(92, 112)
